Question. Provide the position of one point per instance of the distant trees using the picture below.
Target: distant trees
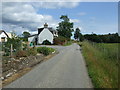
(65, 27)
(107, 38)
(78, 35)
(81, 37)
(93, 37)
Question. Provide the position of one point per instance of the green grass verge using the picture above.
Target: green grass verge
(102, 63)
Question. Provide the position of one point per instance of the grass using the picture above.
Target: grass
(102, 62)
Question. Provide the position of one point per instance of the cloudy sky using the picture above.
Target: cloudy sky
(97, 17)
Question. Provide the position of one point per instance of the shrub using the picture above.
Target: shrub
(16, 43)
(32, 51)
(46, 42)
(21, 53)
(25, 46)
(59, 40)
(45, 50)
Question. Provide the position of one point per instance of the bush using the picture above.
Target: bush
(51, 50)
(16, 43)
(45, 50)
(25, 46)
(46, 42)
(59, 40)
(21, 53)
(32, 51)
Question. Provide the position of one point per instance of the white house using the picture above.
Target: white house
(4, 35)
(45, 33)
(9, 34)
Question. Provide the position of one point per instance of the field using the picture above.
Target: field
(102, 63)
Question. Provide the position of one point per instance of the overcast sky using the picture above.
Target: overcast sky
(97, 17)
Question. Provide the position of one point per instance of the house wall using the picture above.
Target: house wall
(31, 39)
(3, 35)
(9, 34)
(45, 35)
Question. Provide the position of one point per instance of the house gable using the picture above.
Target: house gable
(3, 33)
(45, 35)
(3, 36)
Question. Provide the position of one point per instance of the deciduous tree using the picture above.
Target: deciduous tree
(77, 33)
(25, 36)
(65, 27)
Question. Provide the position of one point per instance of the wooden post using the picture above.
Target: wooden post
(11, 49)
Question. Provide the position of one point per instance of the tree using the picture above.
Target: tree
(77, 33)
(81, 37)
(25, 35)
(13, 34)
(65, 27)
(107, 38)
(15, 42)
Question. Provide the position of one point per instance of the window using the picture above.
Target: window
(2, 39)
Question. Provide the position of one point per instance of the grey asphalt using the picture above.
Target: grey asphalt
(65, 70)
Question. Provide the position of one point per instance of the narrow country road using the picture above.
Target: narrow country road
(65, 70)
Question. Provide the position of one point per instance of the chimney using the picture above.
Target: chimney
(45, 25)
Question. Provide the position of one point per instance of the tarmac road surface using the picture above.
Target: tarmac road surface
(65, 70)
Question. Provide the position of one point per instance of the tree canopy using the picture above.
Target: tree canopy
(77, 33)
(25, 34)
(107, 38)
(65, 27)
